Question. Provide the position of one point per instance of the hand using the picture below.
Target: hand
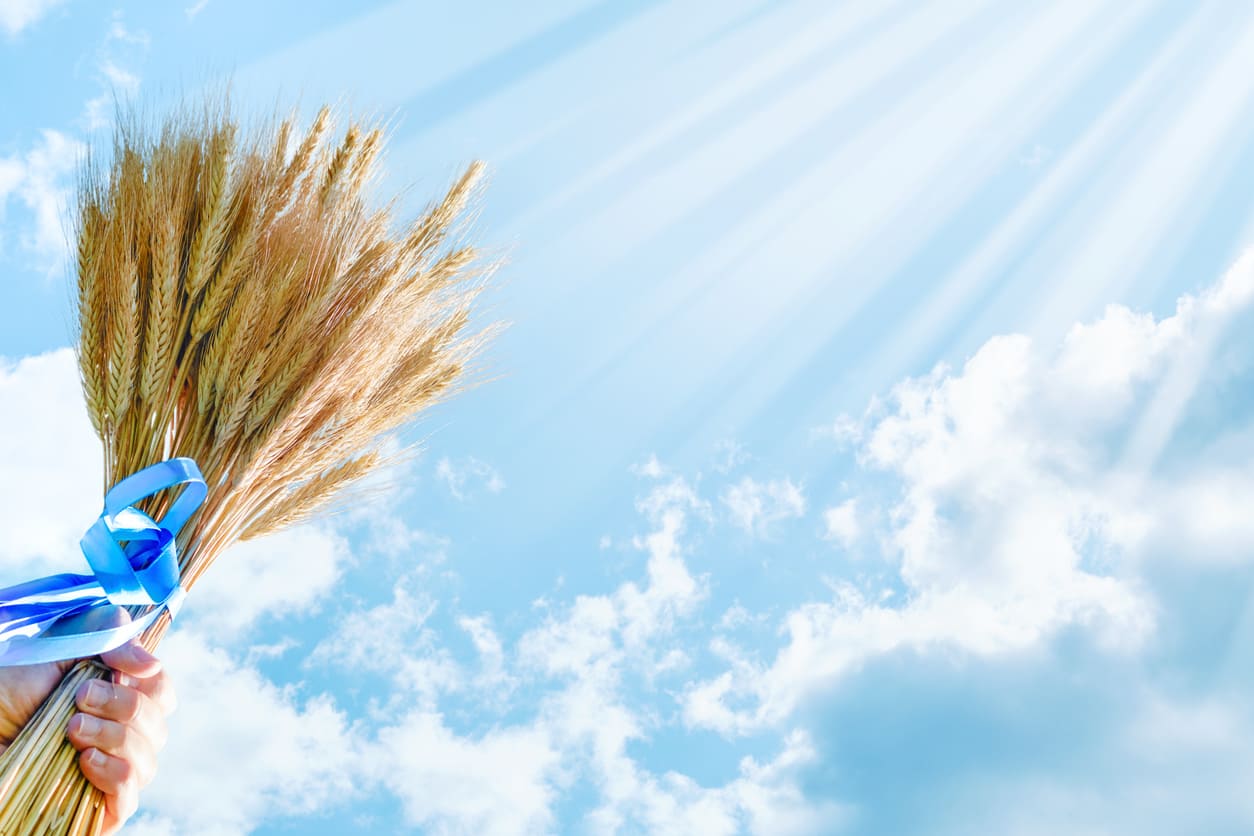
(120, 727)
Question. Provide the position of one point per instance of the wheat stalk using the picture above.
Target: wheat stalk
(254, 313)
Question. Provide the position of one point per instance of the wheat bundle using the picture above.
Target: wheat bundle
(240, 303)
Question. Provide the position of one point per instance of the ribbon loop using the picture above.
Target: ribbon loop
(134, 562)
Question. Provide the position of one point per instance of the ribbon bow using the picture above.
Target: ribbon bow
(134, 561)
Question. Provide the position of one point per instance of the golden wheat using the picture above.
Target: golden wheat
(252, 312)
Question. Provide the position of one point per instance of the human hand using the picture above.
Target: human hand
(120, 726)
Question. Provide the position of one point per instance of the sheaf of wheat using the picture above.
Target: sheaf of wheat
(243, 301)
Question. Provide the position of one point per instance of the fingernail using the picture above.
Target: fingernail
(96, 758)
(88, 726)
(97, 694)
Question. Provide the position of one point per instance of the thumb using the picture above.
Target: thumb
(96, 618)
(103, 618)
(129, 658)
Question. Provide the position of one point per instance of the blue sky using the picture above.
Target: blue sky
(869, 450)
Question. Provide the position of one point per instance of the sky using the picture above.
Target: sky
(869, 450)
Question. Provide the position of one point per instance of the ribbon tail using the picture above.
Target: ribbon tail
(29, 608)
(34, 650)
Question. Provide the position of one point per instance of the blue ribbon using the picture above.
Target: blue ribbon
(134, 562)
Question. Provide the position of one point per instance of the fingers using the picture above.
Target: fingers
(119, 732)
(157, 688)
(123, 704)
(121, 742)
(136, 667)
(132, 660)
(122, 727)
(115, 777)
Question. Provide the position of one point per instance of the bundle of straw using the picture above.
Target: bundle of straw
(241, 304)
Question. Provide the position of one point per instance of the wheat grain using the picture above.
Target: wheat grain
(92, 312)
(160, 320)
(299, 166)
(340, 165)
(305, 500)
(215, 209)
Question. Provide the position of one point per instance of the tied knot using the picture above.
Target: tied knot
(134, 557)
(149, 570)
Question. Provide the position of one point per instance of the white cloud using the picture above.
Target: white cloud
(393, 640)
(705, 705)
(506, 780)
(383, 532)
(460, 476)
(123, 80)
(841, 523)
(196, 8)
(40, 180)
(650, 468)
(574, 643)
(97, 111)
(492, 679)
(270, 650)
(636, 614)
(266, 754)
(1030, 486)
(596, 644)
(149, 824)
(736, 616)
(587, 634)
(52, 466)
(596, 726)
(120, 32)
(287, 573)
(772, 801)
(121, 47)
(672, 591)
(673, 496)
(495, 785)
(731, 456)
(756, 506)
(12, 172)
(16, 15)
(845, 430)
